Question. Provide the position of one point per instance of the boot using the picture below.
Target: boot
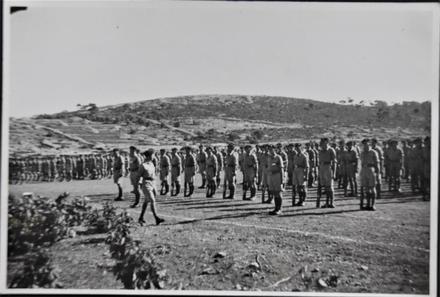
(191, 189)
(373, 202)
(177, 189)
(253, 193)
(185, 188)
(203, 183)
(224, 192)
(355, 188)
(262, 196)
(167, 188)
(119, 198)
(137, 198)
(362, 202)
(231, 193)
(293, 196)
(331, 197)
(378, 191)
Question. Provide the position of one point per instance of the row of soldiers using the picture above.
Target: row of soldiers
(271, 169)
(61, 168)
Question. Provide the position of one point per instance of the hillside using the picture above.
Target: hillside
(213, 118)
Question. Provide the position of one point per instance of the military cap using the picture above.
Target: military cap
(162, 150)
(132, 147)
(174, 149)
(148, 153)
(324, 139)
(290, 145)
(349, 143)
(231, 145)
(116, 150)
(297, 144)
(374, 140)
(365, 140)
(208, 148)
(247, 146)
(392, 141)
(279, 144)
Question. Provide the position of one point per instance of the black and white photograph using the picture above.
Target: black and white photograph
(219, 148)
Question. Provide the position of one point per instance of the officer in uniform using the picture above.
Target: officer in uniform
(201, 162)
(264, 164)
(135, 163)
(219, 157)
(386, 161)
(299, 176)
(147, 173)
(164, 172)
(327, 171)
(350, 160)
(118, 171)
(250, 167)
(370, 170)
(395, 159)
(276, 174)
(379, 152)
(69, 168)
(426, 185)
(211, 172)
(231, 163)
(406, 153)
(189, 172)
(280, 151)
(340, 168)
(176, 169)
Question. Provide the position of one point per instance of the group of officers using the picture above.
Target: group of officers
(272, 168)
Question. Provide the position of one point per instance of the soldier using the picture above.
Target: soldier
(276, 177)
(94, 168)
(379, 152)
(290, 156)
(340, 169)
(265, 173)
(104, 165)
(211, 172)
(118, 172)
(370, 169)
(69, 168)
(176, 169)
(327, 171)
(80, 166)
(109, 166)
(146, 171)
(53, 168)
(189, 172)
(260, 156)
(350, 160)
(395, 159)
(406, 153)
(126, 163)
(201, 163)
(416, 165)
(231, 163)
(312, 164)
(164, 172)
(299, 176)
(135, 163)
(426, 185)
(250, 167)
(219, 157)
(386, 162)
(280, 151)
(61, 168)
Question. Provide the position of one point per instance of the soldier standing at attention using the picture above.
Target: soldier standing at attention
(104, 165)
(147, 172)
(406, 153)
(369, 171)
(395, 159)
(340, 169)
(118, 171)
(231, 163)
(290, 156)
(164, 172)
(189, 172)
(350, 160)
(379, 152)
(69, 168)
(277, 176)
(211, 172)
(250, 167)
(283, 154)
(426, 184)
(386, 162)
(201, 162)
(416, 170)
(327, 171)
(176, 169)
(135, 163)
(300, 174)
(265, 172)
(259, 153)
(219, 157)
(312, 165)
(80, 167)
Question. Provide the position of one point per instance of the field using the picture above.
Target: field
(216, 244)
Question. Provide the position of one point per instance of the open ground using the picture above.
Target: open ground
(385, 251)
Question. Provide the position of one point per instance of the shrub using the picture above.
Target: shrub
(102, 221)
(38, 272)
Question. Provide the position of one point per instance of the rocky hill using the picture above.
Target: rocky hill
(214, 119)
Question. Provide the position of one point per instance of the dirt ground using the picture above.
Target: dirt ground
(386, 251)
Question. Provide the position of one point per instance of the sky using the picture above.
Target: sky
(62, 54)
